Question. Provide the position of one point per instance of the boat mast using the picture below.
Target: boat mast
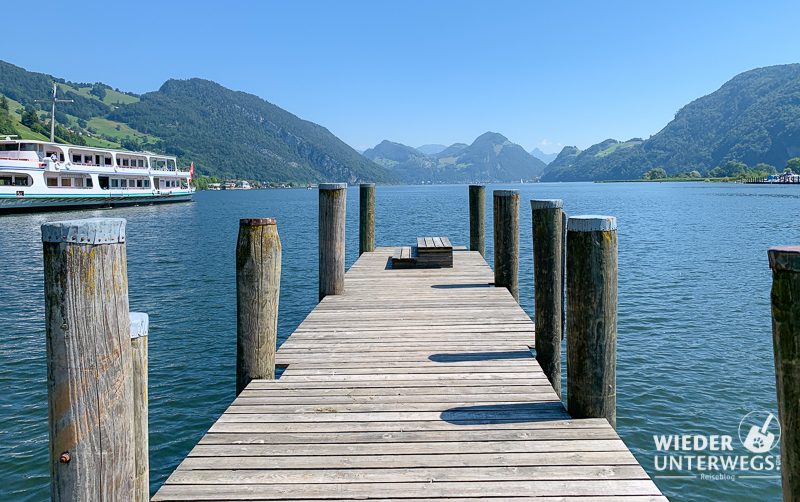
(53, 101)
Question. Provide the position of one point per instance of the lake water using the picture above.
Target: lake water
(694, 353)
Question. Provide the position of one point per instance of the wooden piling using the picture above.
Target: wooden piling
(785, 264)
(563, 273)
(332, 204)
(366, 218)
(90, 388)
(592, 317)
(140, 326)
(506, 240)
(548, 295)
(258, 282)
(477, 218)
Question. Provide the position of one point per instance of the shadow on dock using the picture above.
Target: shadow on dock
(463, 286)
(544, 411)
(460, 357)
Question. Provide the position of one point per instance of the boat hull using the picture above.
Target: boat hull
(32, 203)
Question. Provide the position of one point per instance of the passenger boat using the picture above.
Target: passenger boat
(36, 175)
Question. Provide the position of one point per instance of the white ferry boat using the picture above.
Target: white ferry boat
(37, 175)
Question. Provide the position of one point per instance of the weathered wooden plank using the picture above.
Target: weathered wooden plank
(415, 448)
(238, 438)
(575, 488)
(392, 475)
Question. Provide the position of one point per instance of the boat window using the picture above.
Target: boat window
(125, 162)
(123, 183)
(87, 159)
(108, 161)
(66, 182)
(97, 159)
(147, 183)
(9, 147)
(52, 182)
(27, 147)
(89, 183)
(76, 159)
(5, 181)
(78, 182)
(114, 183)
(22, 181)
(141, 162)
(138, 183)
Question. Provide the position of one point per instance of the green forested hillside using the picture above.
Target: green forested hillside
(753, 118)
(224, 132)
(242, 135)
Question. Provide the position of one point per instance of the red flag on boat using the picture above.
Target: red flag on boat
(191, 171)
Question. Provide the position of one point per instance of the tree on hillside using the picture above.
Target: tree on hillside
(30, 119)
(656, 173)
(6, 124)
(765, 169)
(98, 90)
(730, 169)
(793, 164)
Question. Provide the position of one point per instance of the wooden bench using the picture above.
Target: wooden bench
(430, 252)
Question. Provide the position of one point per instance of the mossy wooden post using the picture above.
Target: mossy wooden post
(89, 382)
(547, 277)
(563, 273)
(477, 218)
(140, 327)
(258, 285)
(506, 240)
(592, 317)
(366, 218)
(785, 264)
(332, 204)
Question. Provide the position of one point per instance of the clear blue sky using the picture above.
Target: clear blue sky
(543, 74)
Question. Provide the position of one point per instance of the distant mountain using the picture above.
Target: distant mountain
(491, 157)
(453, 149)
(431, 149)
(753, 118)
(544, 157)
(224, 132)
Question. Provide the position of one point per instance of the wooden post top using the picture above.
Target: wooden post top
(478, 185)
(547, 203)
(140, 324)
(368, 185)
(784, 258)
(591, 223)
(86, 231)
(257, 222)
(506, 193)
(333, 186)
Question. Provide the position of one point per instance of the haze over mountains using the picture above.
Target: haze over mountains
(753, 118)
(544, 157)
(490, 158)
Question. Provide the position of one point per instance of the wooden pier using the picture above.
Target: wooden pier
(415, 384)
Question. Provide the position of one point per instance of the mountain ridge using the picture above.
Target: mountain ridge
(490, 158)
(752, 118)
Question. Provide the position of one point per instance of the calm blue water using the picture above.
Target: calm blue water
(695, 349)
